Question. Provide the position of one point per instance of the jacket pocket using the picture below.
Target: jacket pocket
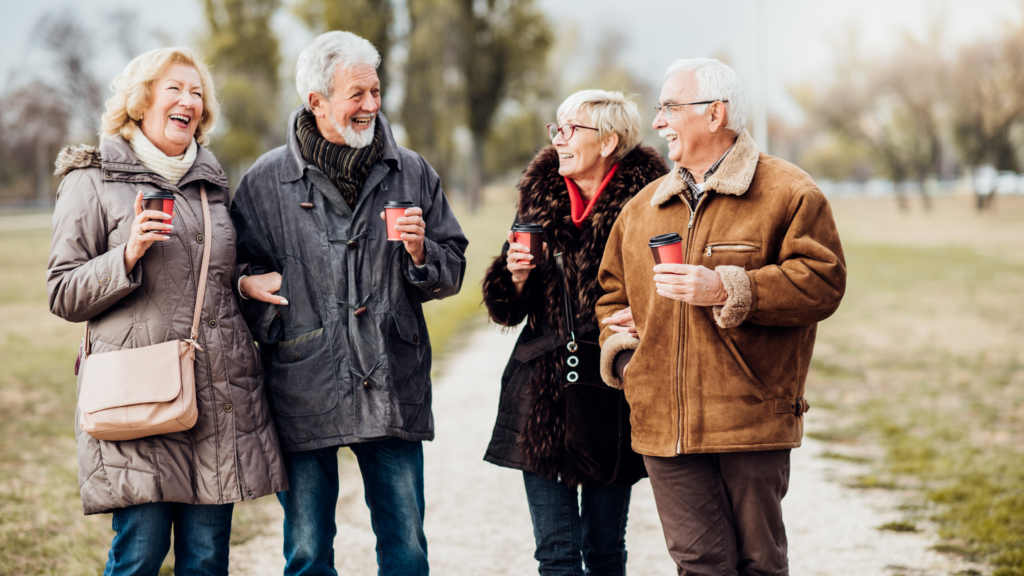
(732, 246)
(407, 369)
(301, 376)
(762, 390)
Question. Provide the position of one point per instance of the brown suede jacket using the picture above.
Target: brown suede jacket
(725, 378)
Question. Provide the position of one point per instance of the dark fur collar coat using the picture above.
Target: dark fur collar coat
(530, 429)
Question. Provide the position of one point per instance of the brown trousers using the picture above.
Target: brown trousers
(722, 513)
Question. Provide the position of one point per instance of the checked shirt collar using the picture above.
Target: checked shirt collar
(691, 183)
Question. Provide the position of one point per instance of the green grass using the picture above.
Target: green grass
(42, 528)
(924, 359)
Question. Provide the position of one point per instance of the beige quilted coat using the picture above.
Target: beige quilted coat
(232, 452)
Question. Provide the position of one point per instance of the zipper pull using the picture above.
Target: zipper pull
(692, 214)
(708, 253)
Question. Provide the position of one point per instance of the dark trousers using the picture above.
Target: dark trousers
(574, 527)
(722, 513)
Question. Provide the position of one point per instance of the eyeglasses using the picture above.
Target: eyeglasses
(567, 130)
(666, 109)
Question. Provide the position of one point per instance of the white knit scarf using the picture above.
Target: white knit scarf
(171, 168)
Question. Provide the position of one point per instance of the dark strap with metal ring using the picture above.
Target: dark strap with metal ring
(560, 263)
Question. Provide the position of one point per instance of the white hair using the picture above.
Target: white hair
(328, 54)
(715, 81)
(609, 112)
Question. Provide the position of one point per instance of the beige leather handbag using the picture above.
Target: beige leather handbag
(129, 394)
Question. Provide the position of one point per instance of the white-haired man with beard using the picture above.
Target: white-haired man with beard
(713, 353)
(337, 309)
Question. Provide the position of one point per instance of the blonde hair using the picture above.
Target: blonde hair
(609, 112)
(133, 93)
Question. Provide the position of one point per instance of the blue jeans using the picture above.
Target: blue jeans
(143, 537)
(573, 530)
(392, 473)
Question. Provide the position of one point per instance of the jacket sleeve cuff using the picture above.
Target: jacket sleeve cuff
(740, 301)
(425, 275)
(618, 342)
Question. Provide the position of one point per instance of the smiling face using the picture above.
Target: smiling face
(685, 129)
(579, 156)
(176, 106)
(347, 118)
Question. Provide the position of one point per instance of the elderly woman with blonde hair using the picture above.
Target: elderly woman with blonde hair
(134, 275)
(557, 422)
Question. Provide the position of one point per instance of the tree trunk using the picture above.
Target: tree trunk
(899, 186)
(42, 179)
(474, 186)
(926, 200)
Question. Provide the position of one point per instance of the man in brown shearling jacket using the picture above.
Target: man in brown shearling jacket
(713, 354)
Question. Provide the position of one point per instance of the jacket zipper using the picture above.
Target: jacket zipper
(681, 371)
(729, 248)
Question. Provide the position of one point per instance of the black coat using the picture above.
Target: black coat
(529, 433)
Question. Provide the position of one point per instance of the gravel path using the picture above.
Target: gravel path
(477, 520)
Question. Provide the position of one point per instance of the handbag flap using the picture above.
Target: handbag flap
(135, 376)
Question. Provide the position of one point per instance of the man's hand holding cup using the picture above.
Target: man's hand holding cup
(695, 285)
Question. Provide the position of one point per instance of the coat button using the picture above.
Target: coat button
(366, 383)
(416, 338)
(359, 310)
(251, 495)
(199, 238)
(436, 290)
(228, 407)
(213, 323)
(107, 174)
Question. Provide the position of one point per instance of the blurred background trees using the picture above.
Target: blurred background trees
(470, 84)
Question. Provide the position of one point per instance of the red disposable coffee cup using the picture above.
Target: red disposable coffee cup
(531, 235)
(393, 210)
(667, 248)
(160, 201)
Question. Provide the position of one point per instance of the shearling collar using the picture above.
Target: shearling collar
(732, 177)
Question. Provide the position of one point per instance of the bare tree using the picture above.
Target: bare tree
(124, 24)
(35, 120)
(504, 46)
(71, 47)
(986, 104)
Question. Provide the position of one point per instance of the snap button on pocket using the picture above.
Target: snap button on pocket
(213, 323)
(228, 407)
(199, 238)
(366, 383)
(416, 338)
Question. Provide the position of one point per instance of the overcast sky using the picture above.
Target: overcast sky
(796, 46)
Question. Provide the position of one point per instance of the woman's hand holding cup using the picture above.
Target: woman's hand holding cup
(145, 230)
(519, 261)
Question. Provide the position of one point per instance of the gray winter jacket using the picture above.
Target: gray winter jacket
(232, 452)
(348, 359)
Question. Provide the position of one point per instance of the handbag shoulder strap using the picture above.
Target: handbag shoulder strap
(203, 273)
(566, 302)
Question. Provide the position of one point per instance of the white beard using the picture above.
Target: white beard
(352, 138)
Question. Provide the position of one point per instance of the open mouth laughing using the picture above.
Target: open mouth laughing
(362, 122)
(181, 120)
(668, 134)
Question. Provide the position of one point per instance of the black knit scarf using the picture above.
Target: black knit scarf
(345, 166)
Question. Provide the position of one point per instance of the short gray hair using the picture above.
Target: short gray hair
(329, 53)
(715, 81)
(609, 112)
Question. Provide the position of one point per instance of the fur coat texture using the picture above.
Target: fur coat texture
(530, 430)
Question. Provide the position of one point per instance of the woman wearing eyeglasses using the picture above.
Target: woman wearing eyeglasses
(575, 189)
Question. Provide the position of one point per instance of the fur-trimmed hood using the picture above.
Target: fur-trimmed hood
(732, 178)
(530, 431)
(75, 157)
